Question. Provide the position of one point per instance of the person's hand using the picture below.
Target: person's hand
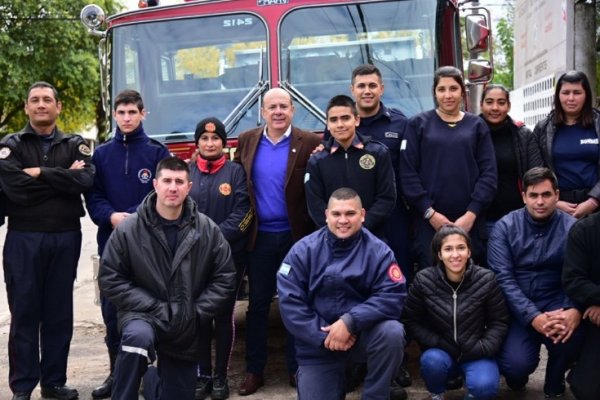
(318, 149)
(438, 220)
(77, 164)
(338, 337)
(593, 315)
(466, 221)
(34, 172)
(567, 207)
(117, 217)
(562, 323)
(585, 208)
(540, 324)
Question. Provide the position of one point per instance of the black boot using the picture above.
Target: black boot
(104, 391)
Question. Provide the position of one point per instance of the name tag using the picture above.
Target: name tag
(588, 141)
(391, 135)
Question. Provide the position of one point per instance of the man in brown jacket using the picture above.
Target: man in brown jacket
(274, 158)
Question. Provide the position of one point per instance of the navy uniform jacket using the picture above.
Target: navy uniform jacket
(527, 257)
(365, 167)
(125, 167)
(223, 197)
(323, 278)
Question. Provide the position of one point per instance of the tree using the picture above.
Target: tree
(504, 42)
(44, 40)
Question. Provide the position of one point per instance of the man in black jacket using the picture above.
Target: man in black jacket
(43, 173)
(354, 161)
(166, 268)
(581, 280)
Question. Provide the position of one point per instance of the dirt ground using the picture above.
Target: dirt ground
(88, 361)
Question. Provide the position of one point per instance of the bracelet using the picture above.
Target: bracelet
(429, 213)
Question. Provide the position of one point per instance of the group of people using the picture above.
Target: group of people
(391, 229)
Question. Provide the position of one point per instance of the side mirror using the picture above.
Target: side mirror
(479, 71)
(477, 32)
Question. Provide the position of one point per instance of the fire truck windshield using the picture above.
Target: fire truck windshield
(219, 64)
(320, 46)
(188, 69)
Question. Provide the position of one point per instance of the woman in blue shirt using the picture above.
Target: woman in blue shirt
(568, 139)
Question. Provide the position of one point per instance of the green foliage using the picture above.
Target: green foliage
(504, 45)
(44, 40)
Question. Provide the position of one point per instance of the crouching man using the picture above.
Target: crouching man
(341, 294)
(166, 268)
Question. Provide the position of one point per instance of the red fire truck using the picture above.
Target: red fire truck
(217, 57)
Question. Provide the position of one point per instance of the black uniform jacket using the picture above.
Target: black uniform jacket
(172, 292)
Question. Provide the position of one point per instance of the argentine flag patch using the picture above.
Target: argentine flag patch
(285, 269)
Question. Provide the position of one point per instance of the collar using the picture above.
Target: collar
(383, 112)
(210, 166)
(356, 143)
(541, 224)
(137, 134)
(56, 134)
(337, 243)
(286, 134)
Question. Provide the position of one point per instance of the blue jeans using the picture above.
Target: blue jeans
(482, 378)
(382, 346)
(263, 263)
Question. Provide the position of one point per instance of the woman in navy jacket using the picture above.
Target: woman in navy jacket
(220, 191)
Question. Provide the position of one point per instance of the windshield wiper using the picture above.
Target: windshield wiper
(254, 95)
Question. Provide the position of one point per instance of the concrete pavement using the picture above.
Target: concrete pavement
(88, 361)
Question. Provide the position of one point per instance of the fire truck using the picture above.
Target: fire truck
(218, 57)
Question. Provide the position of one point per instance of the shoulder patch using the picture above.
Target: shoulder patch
(85, 150)
(285, 269)
(4, 153)
(395, 273)
(367, 161)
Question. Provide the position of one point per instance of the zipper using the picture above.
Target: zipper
(454, 306)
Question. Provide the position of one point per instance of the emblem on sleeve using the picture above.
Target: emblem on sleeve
(285, 269)
(4, 153)
(367, 161)
(225, 189)
(395, 273)
(85, 150)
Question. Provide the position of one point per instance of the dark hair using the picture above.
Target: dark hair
(493, 86)
(345, 193)
(129, 96)
(448, 72)
(587, 113)
(172, 163)
(42, 84)
(537, 175)
(341, 100)
(365, 69)
(443, 233)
